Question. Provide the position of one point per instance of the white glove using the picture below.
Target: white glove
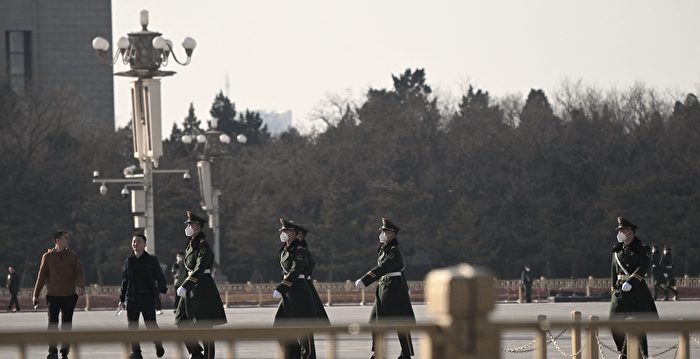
(360, 284)
(626, 286)
(181, 292)
(276, 294)
(665, 275)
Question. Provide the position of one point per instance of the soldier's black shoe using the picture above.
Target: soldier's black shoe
(160, 351)
(52, 356)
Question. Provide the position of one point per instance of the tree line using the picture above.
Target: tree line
(498, 182)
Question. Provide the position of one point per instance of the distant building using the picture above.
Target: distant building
(48, 44)
(277, 122)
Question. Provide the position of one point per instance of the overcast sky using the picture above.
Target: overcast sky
(288, 54)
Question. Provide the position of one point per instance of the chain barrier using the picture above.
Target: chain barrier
(553, 340)
(602, 345)
(524, 348)
(693, 337)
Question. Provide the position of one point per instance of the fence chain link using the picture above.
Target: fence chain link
(602, 345)
(553, 340)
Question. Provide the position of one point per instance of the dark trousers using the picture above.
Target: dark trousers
(182, 320)
(658, 288)
(406, 344)
(65, 305)
(528, 294)
(302, 348)
(143, 305)
(13, 301)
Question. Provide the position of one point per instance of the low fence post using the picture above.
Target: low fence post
(591, 349)
(260, 300)
(634, 343)
(362, 296)
(541, 338)
(87, 299)
(226, 298)
(461, 298)
(589, 285)
(576, 335)
(330, 301)
(683, 345)
(520, 293)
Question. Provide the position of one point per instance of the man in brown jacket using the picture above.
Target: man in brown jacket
(62, 273)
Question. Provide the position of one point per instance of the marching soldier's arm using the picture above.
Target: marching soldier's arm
(298, 264)
(637, 276)
(392, 262)
(613, 273)
(204, 261)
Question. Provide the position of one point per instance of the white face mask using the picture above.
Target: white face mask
(284, 237)
(382, 237)
(189, 231)
(621, 237)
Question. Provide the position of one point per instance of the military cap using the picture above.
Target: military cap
(193, 218)
(386, 224)
(623, 223)
(287, 224)
(303, 230)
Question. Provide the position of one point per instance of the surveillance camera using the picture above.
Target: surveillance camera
(125, 192)
(103, 189)
(186, 176)
(95, 174)
(129, 170)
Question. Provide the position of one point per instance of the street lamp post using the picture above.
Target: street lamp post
(145, 52)
(210, 146)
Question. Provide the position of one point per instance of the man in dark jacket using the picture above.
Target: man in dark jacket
(630, 294)
(392, 299)
(142, 283)
(13, 288)
(200, 302)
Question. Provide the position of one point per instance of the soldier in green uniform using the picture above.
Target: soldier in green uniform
(318, 304)
(200, 304)
(630, 295)
(297, 303)
(392, 297)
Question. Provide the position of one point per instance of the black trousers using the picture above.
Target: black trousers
(143, 305)
(13, 301)
(302, 348)
(404, 341)
(65, 305)
(621, 343)
(528, 294)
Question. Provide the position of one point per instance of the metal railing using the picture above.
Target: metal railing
(460, 299)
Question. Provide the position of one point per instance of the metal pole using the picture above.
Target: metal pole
(215, 225)
(150, 218)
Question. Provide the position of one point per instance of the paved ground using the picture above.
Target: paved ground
(350, 346)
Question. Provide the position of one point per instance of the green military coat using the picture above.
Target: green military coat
(392, 299)
(297, 299)
(202, 302)
(635, 259)
(318, 304)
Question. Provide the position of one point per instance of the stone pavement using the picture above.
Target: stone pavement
(350, 346)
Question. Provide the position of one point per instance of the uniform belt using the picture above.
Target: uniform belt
(622, 277)
(208, 271)
(392, 274)
(301, 276)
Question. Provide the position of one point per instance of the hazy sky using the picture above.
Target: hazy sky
(288, 54)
